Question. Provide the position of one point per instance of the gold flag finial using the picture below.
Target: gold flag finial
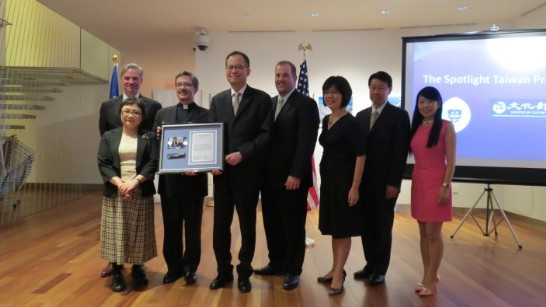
(115, 58)
(305, 47)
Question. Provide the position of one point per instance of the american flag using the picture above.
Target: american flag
(303, 87)
(303, 81)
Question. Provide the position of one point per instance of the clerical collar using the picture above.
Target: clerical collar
(187, 107)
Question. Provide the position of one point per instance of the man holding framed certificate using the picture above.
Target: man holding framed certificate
(182, 193)
(247, 116)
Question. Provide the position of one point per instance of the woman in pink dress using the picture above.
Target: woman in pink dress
(433, 144)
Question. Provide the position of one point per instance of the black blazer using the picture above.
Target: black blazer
(387, 147)
(246, 132)
(292, 141)
(177, 185)
(109, 117)
(109, 162)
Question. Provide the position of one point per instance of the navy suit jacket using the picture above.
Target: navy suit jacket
(387, 147)
(109, 161)
(109, 117)
(246, 132)
(292, 141)
(177, 185)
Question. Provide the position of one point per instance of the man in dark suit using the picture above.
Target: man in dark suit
(247, 116)
(182, 195)
(288, 176)
(131, 79)
(387, 131)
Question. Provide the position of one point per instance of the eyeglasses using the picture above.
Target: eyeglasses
(185, 84)
(235, 67)
(131, 112)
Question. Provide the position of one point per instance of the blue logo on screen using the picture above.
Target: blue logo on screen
(457, 111)
(518, 108)
(454, 115)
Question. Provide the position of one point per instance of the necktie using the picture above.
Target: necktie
(375, 114)
(236, 99)
(280, 103)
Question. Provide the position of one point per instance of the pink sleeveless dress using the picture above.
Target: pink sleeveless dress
(428, 176)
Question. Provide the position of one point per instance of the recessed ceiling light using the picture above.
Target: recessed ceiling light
(246, 15)
(314, 14)
(385, 11)
(462, 7)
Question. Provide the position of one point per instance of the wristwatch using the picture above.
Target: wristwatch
(445, 184)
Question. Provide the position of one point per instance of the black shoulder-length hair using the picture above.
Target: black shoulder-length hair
(342, 86)
(431, 93)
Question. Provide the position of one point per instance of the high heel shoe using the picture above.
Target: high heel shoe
(327, 280)
(419, 285)
(335, 291)
(324, 280)
(427, 291)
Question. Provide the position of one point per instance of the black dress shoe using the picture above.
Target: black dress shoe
(118, 284)
(267, 271)
(290, 281)
(220, 282)
(244, 284)
(171, 277)
(107, 271)
(139, 275)
(363, 274)
(190, 277)
(377, 279)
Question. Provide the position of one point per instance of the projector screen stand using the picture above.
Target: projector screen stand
(490, 221)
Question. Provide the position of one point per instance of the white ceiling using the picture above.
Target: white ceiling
(121, 23)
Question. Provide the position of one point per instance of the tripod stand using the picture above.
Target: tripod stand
(490, 221)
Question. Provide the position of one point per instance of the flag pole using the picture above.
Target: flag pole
(304, 88)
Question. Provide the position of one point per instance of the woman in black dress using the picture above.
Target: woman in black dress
(341, 169)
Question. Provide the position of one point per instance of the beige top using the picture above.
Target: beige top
(127, 156)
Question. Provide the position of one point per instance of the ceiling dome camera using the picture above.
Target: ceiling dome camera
(202, 39)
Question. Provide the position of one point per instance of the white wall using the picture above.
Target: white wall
(354, 55)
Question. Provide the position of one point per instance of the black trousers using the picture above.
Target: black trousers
(378, 219)
(182, 213)
(228, 198)
(284, 214)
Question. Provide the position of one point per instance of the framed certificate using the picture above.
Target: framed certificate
(191, 147)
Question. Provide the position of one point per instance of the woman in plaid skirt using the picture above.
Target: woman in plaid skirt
(127, 161)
